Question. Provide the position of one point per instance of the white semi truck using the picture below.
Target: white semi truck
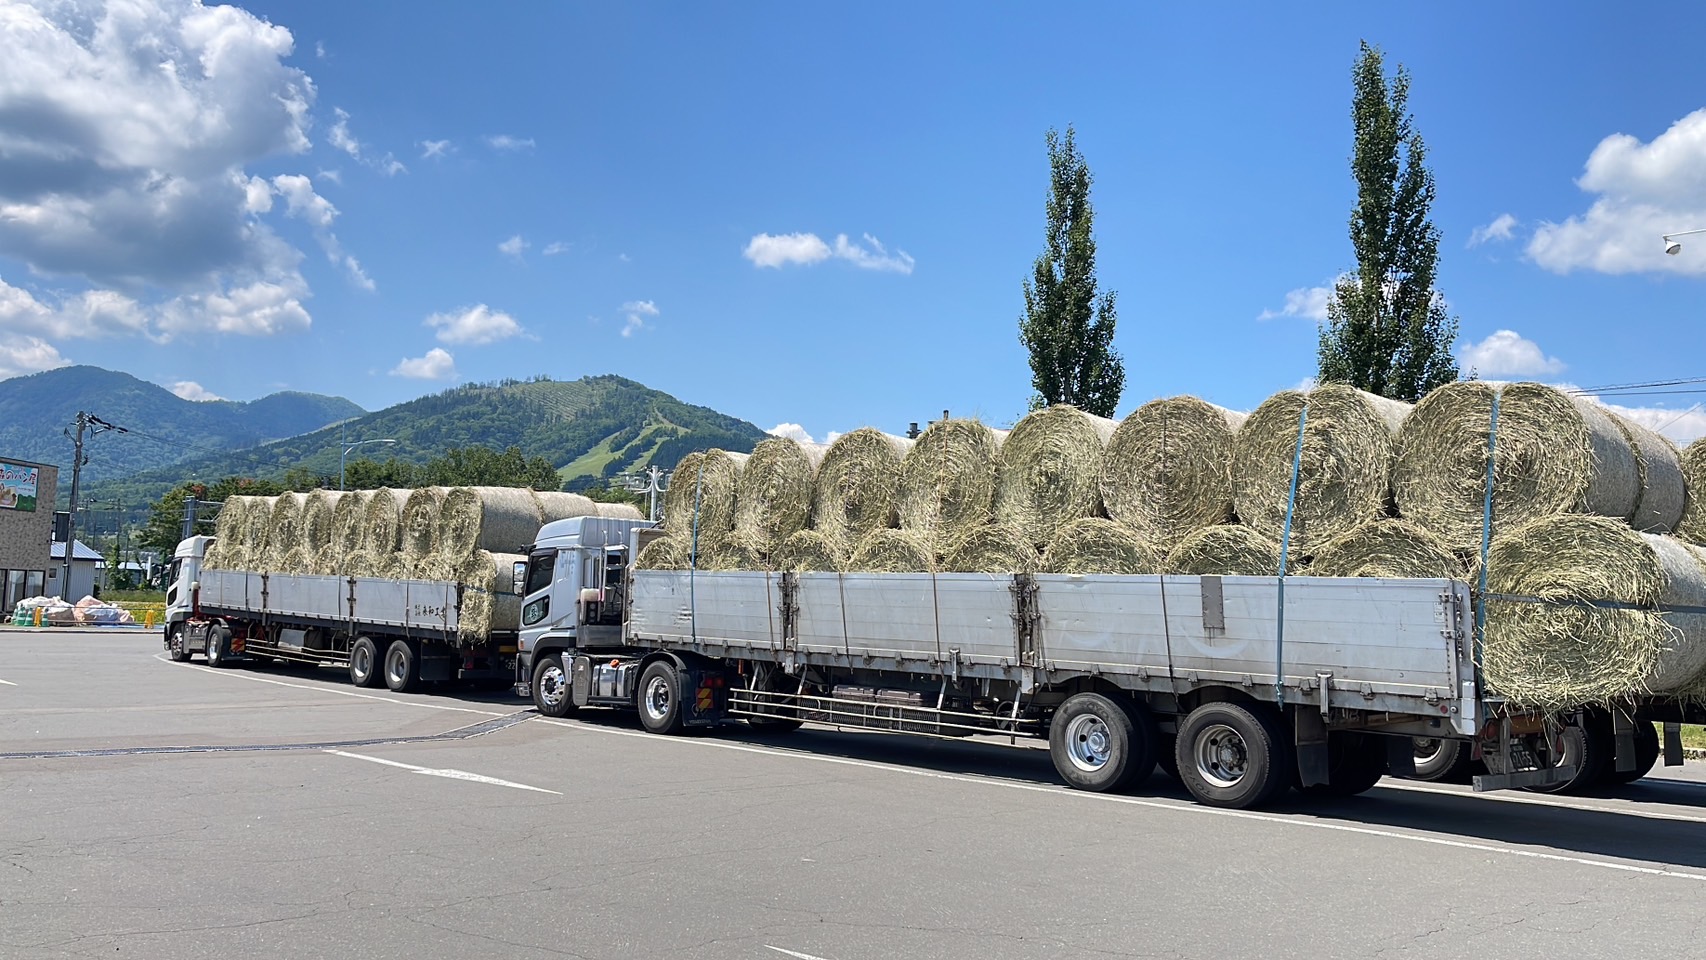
(1241, 687)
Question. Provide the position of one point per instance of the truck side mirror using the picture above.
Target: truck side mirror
(519, 575)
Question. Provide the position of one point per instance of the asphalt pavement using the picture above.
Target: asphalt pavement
(158, 810)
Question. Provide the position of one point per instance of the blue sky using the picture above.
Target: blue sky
(380, 200)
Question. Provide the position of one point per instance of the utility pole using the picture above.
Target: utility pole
(651, 485)
(94, 425)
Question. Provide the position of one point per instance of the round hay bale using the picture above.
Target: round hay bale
(809, 550)
(317, 511)
(489, 600)
(948, 481)
(494, 519)
(231, 526)
(700, 499)
(1345, 473)
(1051, 470)
(663, 553)
(1555, 454)
(619, 511)
(395, 565)
(213, 557)
(359, 563)
(857, 484)
(1387, 548)
(284, 530)
(1228, 550)
(1658, 465)
(347, 514)
(1563, 654)
(1094, 545)
(554, 506)
(418, 534)
(295, 561)
(1693, 463)
(382, 520)
(773, 498)
(328, 560)
(994, 548)
(736, 553)
(1168, 468)
(257, 517)
(892, 551)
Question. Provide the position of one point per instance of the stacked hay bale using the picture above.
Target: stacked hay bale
(993, 548)
(1227, 550)
(489, 599)
(1344, 472)
(857, 485)
(493, 519)
(1168, 469)
(1693, 465)
(555, 506)
(283, 551)
(700, 501)
(382, 521)
(1095, 545)
(417, 532)
(809, 551)
(1387, 548)
(1051, 470)
(773, 498)
(948, 481)
(892, 551)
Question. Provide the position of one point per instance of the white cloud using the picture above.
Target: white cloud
(194, 392)
(1642, 191)
(513, 247)
(303, 203)
(554, 248)
(872, 256)
(624, 258)
(1308, 303)
(333, 175)
(92, 313)
(262, 308)
(1500, 229)
(475, 325)
(437, 364)
(320, 49)
(21, 355)
(1508, 354)
(831, 437)
(339, 136)
(780, 249)
(791, 430)
(503, 141)
(434, 148)
(390, 165)
(635, 313)
(776, 250)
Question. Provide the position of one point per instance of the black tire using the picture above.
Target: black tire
(661, 709)
(550, 686)
(175, 647)
(1355, 763)
(1441, 760)
(1231, 755)
(402, 667)
(218, 647)
(1589, 747)
(1646, 756)
(1101, 745)
(364, 667)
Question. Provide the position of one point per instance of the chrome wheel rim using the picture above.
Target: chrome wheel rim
(1089, 742)
(1223, 758)
(657, 699)
(553, 686)
(362, 661)
(1428, 748)
(395, 670)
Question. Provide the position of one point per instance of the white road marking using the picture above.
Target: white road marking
(318, 688)
(1624, 808)
(1175, 806)
(447, 773)
(793, 953)
(8, 683)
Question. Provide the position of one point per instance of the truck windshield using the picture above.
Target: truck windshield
(539, 570)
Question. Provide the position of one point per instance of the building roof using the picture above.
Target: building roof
(82, 552)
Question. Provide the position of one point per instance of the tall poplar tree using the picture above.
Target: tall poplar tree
(1067, 327)
(1387, 330)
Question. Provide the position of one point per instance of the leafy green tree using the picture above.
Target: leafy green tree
(1068, 327)
(603, 493)
(1387, 330)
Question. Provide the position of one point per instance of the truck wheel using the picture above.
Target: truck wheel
(551, 687)
(1355, 763)
(364, 663)
(402, 667)
(1588, 747)
(660, 698)
(1100, 745)
(1646, 756)
(218, 646)
(1231, 756)
(1439, 760)
(175, 644)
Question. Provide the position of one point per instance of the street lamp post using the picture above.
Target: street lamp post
(1672, 247)
(351, 445)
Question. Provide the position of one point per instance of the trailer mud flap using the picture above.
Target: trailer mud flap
(706, 696)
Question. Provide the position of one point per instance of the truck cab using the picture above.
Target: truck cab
(182, 575)
(573, 589)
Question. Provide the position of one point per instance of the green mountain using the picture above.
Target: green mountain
(161, 428)
(591, 429)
